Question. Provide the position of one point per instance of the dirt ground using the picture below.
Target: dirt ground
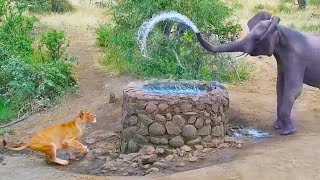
(283, 157)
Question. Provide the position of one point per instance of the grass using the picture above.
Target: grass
(6, 111)
(311, 27)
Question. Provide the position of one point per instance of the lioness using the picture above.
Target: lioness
(58, 137)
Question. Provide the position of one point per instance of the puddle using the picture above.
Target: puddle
(251, 132)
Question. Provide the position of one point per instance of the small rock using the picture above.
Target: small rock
(229, 139)
(193, 158)
(121, 156)
(190, 113)
(152, 170)
(206, 114)
(159, 150)
(239, 146)
(223, 145)
(160, 118)
(172, 129)
(155, 140)
(186, 148)
(198, 147)
(112, 98)
(108, 165)
(216, 131)
(146, 166)
(132, 147)
(125, 174)
(176, 110)
(205, 130)
(140, 139)
(185, 107)
(196, 153)
(143, 129)
(169, 157)
(151, 107)
(192, 119)
(168, 116)
(194, 141)
(146, 120)
(206, 150)
(159, 165)
(157, 129)
(113, 169)
(134, 165)
(207, 138)
(189, 131)
(181, 164)
(199, 123)
(147, 150)
(207, 121)
(163, 106)
(148, 159)
(176, 141)
(179, 120)
(164, 141)
(90, 140)
(133, 120)
(130, 157)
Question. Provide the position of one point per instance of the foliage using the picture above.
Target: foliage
(173, 51)
(284, 8)
(30, 78)
(314, 2)
(41, 6)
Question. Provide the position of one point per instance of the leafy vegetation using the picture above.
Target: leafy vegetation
(173, 51)
(31, 75)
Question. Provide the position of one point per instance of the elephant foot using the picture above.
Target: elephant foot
(277, 124)
(288, 129)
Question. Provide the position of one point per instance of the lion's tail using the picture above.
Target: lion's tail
(4, 143)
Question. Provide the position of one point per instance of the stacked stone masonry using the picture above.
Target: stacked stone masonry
(172, 120)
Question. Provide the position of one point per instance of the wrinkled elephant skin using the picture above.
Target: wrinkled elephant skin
(297, 55)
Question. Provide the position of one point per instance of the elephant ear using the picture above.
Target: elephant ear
(261, 16)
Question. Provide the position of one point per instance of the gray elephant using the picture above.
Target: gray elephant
(297, 55)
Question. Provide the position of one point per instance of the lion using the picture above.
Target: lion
(59, 137)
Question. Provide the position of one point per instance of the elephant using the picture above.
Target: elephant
(297, 55)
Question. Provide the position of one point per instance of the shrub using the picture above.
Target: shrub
(30, 78)
(42, 6)
(172, 54)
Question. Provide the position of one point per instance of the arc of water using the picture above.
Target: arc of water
(147, 26)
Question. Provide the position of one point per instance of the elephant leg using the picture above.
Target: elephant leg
(293, 82)
(280, 85)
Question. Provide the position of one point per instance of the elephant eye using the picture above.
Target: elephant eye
(256, 39)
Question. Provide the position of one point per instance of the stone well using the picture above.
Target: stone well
(173, 114)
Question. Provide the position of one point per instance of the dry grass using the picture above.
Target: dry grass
(86, 15)
(298, 19)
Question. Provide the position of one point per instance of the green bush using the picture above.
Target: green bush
(31, 76)
(171, 54)
(42, 6)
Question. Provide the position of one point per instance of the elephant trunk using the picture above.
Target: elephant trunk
(229, 47)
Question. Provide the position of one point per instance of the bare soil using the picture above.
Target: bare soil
(280, 157)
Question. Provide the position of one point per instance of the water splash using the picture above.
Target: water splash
(147, 26)
(252, 132)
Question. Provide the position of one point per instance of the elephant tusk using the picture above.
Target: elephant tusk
(241, 56)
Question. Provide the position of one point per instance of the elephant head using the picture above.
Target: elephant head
(261, 39)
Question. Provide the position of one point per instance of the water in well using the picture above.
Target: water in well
(147, 26)
(180, 87)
